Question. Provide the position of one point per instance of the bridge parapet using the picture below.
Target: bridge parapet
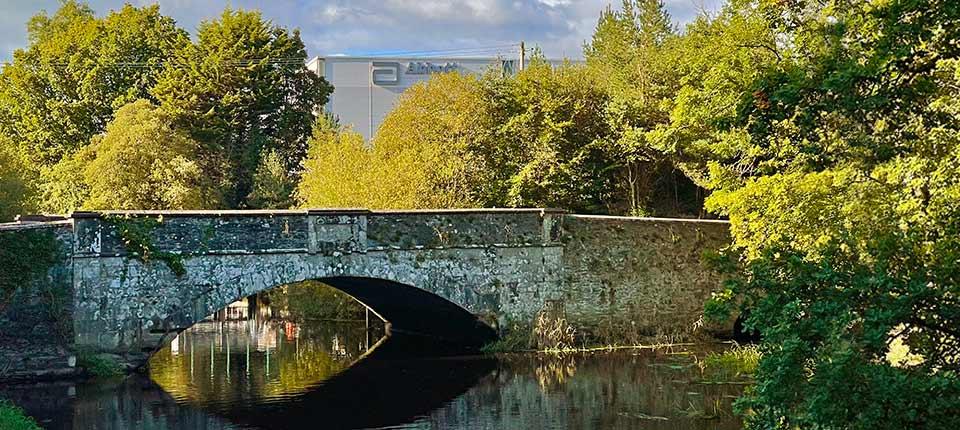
(314, 231)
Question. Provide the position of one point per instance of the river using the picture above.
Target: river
(284, 375)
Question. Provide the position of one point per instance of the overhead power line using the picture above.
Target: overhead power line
(296, 61)
(292, 61)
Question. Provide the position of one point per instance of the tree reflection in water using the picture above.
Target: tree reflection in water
(279, 375)
(216, 364)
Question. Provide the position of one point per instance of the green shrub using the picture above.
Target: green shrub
(518, 338)
(13, 418)
(98, 365)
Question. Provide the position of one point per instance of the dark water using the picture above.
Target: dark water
(280, 375)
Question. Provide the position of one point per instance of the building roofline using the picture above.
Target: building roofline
(361, 57)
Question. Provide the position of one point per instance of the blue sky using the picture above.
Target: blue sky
(357, 27)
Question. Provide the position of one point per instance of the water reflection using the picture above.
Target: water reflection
(218, 364)
(622, 390)
(280, 375)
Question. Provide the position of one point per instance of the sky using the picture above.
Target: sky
(378, 27)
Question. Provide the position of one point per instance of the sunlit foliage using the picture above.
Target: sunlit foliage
(63, 88)
(341, 170)
(537, 139)
(842, 190)
(16, 192)
(142, 162)
(242, 90)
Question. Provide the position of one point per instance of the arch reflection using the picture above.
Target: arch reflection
(217, 363)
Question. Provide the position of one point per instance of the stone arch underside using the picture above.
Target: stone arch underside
(408, 309)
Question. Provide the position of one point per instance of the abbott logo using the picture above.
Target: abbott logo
(386, 72)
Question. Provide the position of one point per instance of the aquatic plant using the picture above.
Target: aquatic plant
(736, 363)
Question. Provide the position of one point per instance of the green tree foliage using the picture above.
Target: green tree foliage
(63, 186)
(313, 300)
(438, 144)
(62, 89)
(537, 139)
(273, 185)
(243, 90)
(16, 192)
(341, 170)
(14, 418)
(717, 61)
(634, 55)
(142, 162)
(553, 122)
(842, 187)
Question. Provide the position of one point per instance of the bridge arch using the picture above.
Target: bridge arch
(407, 309)
(432, 273)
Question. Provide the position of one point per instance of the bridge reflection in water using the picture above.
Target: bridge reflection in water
(217, 364)
(280, 375)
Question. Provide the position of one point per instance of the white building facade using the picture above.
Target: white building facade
(367, 88)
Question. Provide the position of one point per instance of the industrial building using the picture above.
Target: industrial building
(367, 88)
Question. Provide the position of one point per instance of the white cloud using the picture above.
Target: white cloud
(559, 27)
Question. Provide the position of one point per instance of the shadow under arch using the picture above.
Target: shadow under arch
(387, 387)
(401, 378)
(413, 311)
(404, 308)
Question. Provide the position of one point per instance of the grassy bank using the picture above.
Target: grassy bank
(13, 418)
(736, 363)
(556, 335)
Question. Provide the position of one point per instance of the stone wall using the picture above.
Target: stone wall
(626, 279)
(498, 265)
(36, 335)
(616, 280)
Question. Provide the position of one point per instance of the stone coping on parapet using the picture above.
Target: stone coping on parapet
(653, 219)
(319, 211)
(12, 226)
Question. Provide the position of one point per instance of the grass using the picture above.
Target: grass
(736, 363)
(97, 365)
(13, 418)
(516, 340)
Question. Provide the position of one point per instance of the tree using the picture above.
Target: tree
(343, 171)
(243, 90)
(142, 162)
(63, 187)
(336, 169)
(554, 118)
(16, 193)
(842, 192)
(634, 55)
(63, 88)
(536, 139)
(440, 139)
(717, 61)
(273, 185)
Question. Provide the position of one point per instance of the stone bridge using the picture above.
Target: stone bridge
(134, 279)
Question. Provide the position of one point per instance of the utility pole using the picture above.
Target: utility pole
(523, 55)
